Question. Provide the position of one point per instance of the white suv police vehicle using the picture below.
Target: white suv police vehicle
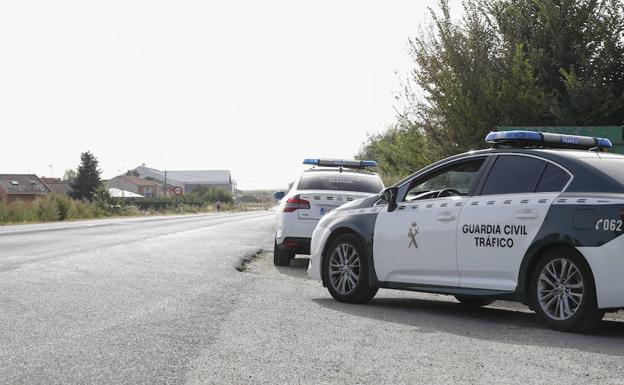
(536, 219)
(319, 190)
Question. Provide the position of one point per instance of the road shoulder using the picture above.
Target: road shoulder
(287, 330)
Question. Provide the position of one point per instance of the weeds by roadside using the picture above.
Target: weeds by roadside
(58, 207)
(245, 261)
(49, 208)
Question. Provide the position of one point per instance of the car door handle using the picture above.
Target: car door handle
(527, 214)
(446, 217)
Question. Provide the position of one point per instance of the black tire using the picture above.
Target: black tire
(281, 257)
(474, 301)
(361, 292)
(586, 315)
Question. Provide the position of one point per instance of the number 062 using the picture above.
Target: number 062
(609, 225)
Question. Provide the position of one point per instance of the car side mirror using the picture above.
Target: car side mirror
(390, 196)
(279, 195)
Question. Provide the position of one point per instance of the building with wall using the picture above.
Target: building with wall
(188, 179)
(57, 185)
(21, 187)
(140, 186)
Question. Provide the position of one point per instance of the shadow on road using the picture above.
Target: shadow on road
(497, 325)
(297, 269)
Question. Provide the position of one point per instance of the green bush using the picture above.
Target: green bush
(45, 209)
(82, 210)
(3, 212)
(210, 195)
(58, 207)
(49, 208)
(63, 204)
(20, 212)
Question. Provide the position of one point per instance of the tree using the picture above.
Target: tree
(209, 194)
(399, 150)
(87, 178)
(506, 63)
(69, 175)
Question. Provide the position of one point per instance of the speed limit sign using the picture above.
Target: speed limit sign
(177, 191)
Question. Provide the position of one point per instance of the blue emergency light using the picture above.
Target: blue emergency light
(546, 139)
(341, 163)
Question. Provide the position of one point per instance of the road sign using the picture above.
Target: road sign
(177, 191)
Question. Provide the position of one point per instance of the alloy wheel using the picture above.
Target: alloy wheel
(560, 289)
(344, 268)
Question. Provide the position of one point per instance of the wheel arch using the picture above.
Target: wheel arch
(533, 256)
(342, 230)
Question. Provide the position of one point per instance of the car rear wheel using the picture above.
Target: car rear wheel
(474, 301)
(281, 257)
(345, 270)
(563, 292)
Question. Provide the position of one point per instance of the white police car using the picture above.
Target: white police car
(327, 185)
(538, 219)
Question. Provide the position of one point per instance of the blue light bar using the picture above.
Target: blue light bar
(547, 139)
(341, 163)
(369, 163)
(494, 137)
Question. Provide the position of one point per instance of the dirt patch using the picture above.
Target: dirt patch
(243, 265)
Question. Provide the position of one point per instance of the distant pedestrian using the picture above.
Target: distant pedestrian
(218, 205)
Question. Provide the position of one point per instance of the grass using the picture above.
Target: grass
(48, 208)
(58, 207)
(243, 265)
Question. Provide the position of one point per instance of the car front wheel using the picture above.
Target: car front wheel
(563, 292)
(345, 270)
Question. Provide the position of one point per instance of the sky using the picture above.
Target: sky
(250, 86)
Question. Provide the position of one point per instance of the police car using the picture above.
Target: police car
(537, 218)
(319, 190)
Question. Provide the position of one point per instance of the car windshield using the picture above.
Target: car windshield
(341, 182)
(459, 178)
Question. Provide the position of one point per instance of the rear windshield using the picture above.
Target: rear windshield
(342, 182)
(614, 167)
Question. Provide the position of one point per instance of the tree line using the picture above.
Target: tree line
(504, 63)
(86, 184)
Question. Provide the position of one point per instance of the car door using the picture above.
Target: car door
(416, 243)
(497, 225)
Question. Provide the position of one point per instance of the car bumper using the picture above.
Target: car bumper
(297, 245)
(289, 226)
(319, 238)
(607, 265)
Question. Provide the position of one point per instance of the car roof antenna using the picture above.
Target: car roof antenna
(598, 147)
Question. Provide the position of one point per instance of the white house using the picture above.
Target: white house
(189, 179)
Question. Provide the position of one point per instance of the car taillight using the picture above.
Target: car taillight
(296, 203)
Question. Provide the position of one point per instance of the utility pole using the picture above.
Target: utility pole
(123, 190)
(165, 186)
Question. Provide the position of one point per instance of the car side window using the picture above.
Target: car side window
(512, 174)
(553, 179)
(454, 180)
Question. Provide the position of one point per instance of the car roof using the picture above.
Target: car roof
(581, 163)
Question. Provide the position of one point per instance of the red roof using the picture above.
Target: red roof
(140, 181)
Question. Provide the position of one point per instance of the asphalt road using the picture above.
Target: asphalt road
(161, 301)
(287, 329)
(119, 301)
